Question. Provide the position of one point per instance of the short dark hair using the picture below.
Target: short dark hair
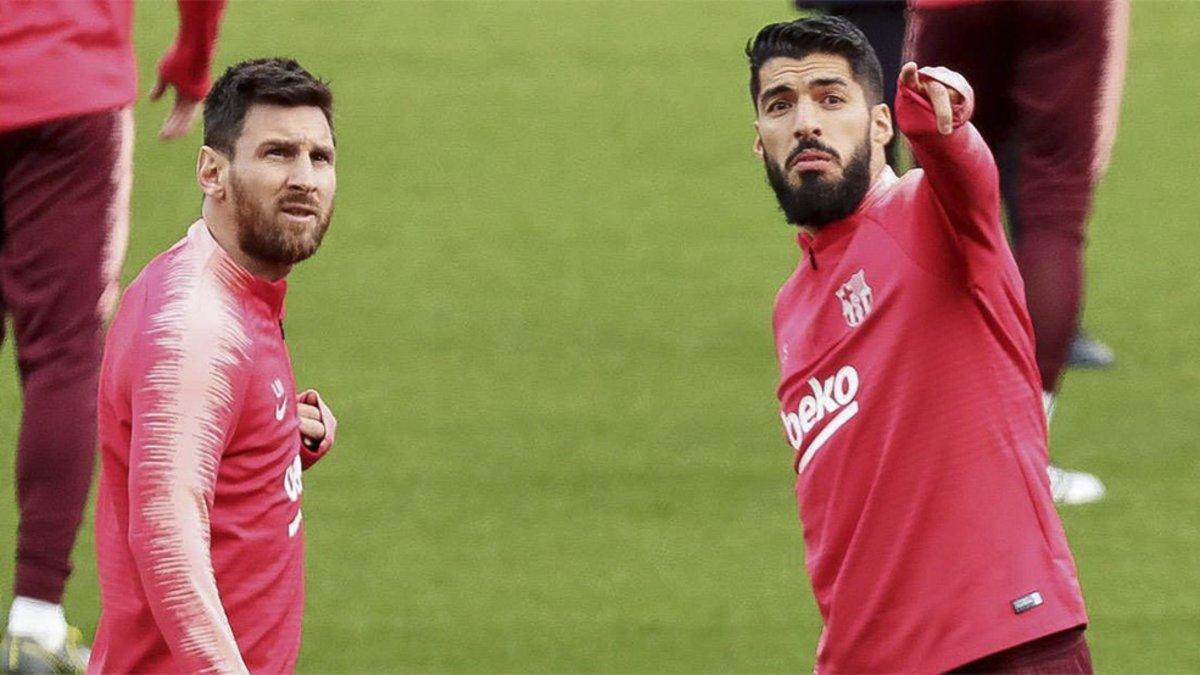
(827, 34)
(275, 81)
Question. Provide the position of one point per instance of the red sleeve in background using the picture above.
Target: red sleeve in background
(188, 62)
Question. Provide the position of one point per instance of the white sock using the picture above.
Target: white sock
(1048, 405)
(41, 621)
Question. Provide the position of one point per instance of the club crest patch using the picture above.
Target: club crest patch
(856, 298)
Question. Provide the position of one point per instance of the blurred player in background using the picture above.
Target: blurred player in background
(1050, 74)
(908, 383)
(203, 438)
(67, 83)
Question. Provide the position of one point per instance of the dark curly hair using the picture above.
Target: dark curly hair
(819, 34)
(276, 81)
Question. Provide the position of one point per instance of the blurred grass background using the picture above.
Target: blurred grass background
(542, 316)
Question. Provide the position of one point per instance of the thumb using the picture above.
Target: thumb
(308, 396)
(159, 87)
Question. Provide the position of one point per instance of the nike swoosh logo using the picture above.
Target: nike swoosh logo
(280, 410)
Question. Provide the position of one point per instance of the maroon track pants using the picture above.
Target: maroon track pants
(64, 208)
(1046, 75)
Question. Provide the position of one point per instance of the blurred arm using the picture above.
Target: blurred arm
(186, 64)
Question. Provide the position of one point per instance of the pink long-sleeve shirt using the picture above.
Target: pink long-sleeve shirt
(910, 395)
(198, 525)
(61, 58)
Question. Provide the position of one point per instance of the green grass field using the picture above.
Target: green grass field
(542, 316)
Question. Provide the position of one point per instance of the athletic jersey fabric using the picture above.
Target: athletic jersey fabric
(61, 58)
(911, 396)
(198, 524)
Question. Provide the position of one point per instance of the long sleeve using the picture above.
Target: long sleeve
(188, 380)
(959, 166)
(188, 62)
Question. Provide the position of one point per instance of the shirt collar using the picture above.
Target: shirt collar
(238, 278)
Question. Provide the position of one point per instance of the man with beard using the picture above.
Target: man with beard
(909, 390)
(203, 438)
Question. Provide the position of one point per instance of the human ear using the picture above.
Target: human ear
(881, 125)
(212, 172)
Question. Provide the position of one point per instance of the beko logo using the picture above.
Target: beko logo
(832, 397)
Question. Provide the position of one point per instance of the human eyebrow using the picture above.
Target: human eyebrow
(277, 144)
(829, 82)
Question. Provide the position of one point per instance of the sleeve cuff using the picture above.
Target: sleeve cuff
(172, 73)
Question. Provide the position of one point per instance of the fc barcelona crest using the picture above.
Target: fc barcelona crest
(855, 295)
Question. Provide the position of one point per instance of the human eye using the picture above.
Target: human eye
(277, 151)
(833, 100)
(322, 156)
(778, 105)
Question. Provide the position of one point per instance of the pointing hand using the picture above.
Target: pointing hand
(939, 95)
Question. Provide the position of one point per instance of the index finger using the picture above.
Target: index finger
(940, 98)
(908, 76)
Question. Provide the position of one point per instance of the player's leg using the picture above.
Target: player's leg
(65, 198)
(975, 40)
(1060, 98)
(7, 151)
(1066, 94)
(1086, 351)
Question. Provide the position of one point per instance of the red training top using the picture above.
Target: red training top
(911, 396)
(198, 526)
(61, 58)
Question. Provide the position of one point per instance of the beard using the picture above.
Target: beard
(263, 236)
(818, 201)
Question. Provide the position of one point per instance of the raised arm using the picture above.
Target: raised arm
(188, 379)
(933, 110)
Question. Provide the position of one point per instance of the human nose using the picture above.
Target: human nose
(806, 123)
(303, 176)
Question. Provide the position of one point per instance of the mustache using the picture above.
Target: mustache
(309, 202)
(306, 201)
(811, 144)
